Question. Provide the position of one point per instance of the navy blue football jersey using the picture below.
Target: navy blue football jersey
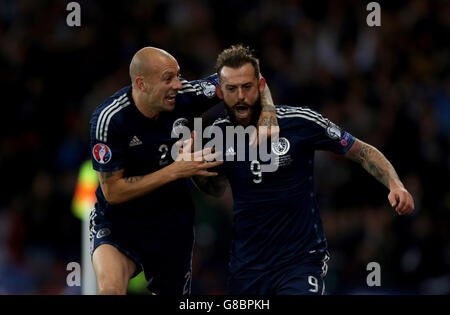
(123, 138)
(276, 220)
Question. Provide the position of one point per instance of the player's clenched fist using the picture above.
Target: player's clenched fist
(401, 200)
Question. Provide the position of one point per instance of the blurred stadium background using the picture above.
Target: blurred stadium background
(388, 85)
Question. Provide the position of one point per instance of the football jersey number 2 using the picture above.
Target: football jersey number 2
(163, 148)
(255, 168)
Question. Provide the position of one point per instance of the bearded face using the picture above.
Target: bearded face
(241, 92)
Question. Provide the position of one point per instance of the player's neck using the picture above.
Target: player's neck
(140, 102)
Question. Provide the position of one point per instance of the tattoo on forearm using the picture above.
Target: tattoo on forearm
(268, 121)
(268, 109)
(371, 164)
(133, 179)
(376, 164)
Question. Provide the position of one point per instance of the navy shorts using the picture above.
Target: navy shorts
(302, 278)
(165, 260)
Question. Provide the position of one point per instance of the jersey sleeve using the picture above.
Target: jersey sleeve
(199, 95)
(320, 132)
(107, 149)
(327, 136)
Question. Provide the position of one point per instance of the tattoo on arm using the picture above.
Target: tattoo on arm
(133, 179)
(268, 121)
(267, 101)
(374, 162)
(268, 109)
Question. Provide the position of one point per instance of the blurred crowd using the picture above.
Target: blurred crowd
(388, 86)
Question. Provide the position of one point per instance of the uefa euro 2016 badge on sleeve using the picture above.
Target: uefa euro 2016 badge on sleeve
(102, 153)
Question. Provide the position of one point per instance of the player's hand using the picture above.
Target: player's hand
(189, 163)
(401, 200)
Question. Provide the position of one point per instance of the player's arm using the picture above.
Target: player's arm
(374, 162)
(213, 186)
(268, 116)
(118, 189)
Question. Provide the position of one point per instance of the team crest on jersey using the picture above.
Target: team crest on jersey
(333, 131)
(178, 125)
(102, 153)
(209, 89)
(281, 147)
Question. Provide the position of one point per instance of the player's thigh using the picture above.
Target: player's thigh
(254, 284)
(111, 266)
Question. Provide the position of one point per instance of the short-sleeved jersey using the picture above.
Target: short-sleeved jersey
(276, 220)
(123, 138)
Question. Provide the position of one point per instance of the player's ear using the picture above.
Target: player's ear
(261, 84)
(219, 92)
(140, 83)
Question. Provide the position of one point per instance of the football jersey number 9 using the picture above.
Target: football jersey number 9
(255, 168)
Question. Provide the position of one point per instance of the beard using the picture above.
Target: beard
(254, 112)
